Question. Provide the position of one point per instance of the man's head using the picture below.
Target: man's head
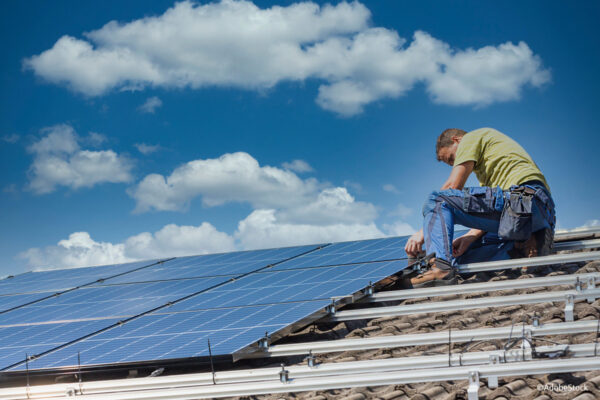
(447, 143)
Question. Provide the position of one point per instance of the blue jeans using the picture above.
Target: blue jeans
(480, 208)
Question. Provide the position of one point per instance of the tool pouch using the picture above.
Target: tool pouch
(516, 218)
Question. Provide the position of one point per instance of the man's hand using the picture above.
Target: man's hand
(415, 244)
(461, 244)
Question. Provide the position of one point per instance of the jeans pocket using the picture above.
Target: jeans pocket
(516, 219)
(478, 200)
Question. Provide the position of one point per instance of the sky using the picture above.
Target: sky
(143, 129)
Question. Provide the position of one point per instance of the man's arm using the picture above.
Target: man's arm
(459, 175)
(457, 179)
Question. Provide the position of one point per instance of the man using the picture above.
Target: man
(512, 210)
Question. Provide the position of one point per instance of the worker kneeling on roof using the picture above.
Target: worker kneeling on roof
(511, 214)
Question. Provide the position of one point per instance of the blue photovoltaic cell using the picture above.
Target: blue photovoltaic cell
(18, 341)
(237, 263)
(291, 285)
(93, 302)
(351, 252)
(179, 335)
(9, 301)
(63, 279)
(233, 315)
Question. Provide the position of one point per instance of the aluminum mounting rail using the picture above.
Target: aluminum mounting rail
(576, 233)
(287, 384)
(530, 262)
(577, 245)
(305, 371)
(586, 280)
(568, 296)
(421, 339)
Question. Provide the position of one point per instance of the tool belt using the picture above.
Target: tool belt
(516, 219)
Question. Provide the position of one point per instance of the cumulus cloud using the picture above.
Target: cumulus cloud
(80, 250)
(401, 211)
(399, 228)
(150, 105)
(237, 44)
(146, 149)
(235, 177)
(95, 138)
(331, 206)
(59, 161)
(262, 228)
(175, 240)
(299, 166)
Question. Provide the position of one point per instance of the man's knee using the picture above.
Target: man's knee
(439, 196)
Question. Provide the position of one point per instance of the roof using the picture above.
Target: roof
(583, 384)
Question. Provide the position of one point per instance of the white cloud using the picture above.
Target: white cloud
(330, 206)
(150, 105)
(262, 228)
(12, 138)
(175, 240)
(591, 223)
(146, 149)
(390, 188)
(237, 44)
(80, 250)
(299, 166)
(355, 186)
(95, 138)
(235, 177)
(59, 160)
(401, 211)
(399, 228)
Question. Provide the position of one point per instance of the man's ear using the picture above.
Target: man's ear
(456, 139)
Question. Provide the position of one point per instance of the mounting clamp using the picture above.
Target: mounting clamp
(473, 388)
(493, 380)
(284, 374)
(569, 305)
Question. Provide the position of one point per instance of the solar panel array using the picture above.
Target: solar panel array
(168, 309)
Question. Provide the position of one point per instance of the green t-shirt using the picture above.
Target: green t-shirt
(499, 160)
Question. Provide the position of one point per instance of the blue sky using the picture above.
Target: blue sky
(185, 128)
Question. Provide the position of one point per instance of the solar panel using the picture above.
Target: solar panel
(351, 252)
(64, 279)
(118, 301)
(178, 335)
(291, 285)
(8, 302)
(21, 340)
(236, 263)
(243, 295)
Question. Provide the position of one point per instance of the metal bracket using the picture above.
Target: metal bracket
(264, 343)
(591, 285)
(473, 389)
(310, 359)
(569, 305)
(369, 290)
(331, 307)
(493, 380)
(536, 321)
(284, 374)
